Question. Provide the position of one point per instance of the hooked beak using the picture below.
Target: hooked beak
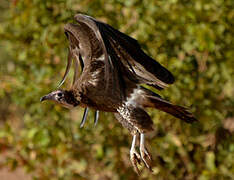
(46, 97)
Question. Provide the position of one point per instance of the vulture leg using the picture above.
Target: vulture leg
(134, 155)
(145, 155)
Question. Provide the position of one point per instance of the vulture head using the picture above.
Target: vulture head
(62, 97)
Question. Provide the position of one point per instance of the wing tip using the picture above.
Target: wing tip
(82, 17)
(186, 115)
(79, 15)
(170, 78)
(165, 75)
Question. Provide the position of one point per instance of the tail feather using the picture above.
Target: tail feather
(180, 112)
(154, 100)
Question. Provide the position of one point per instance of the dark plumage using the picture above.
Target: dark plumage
(113, 67)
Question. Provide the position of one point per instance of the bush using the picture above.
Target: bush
(193, 39)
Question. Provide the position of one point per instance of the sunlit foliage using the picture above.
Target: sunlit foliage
(193, 39)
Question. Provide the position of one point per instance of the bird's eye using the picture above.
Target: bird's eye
(60, 94)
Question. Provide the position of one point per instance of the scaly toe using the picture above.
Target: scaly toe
(135, 159)
(146, 158)
(148, 154)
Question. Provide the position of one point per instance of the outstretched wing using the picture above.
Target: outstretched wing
(80, 45)
(123, 53)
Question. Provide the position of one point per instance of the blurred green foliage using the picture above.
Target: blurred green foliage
(193, 39)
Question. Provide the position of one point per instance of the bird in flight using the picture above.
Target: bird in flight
(109, 71)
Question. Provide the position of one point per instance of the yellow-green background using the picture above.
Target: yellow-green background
(193, 39)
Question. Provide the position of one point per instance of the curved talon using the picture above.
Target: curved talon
(145, 155)
(134, 156)
(148, 154)
(146, 158)
(135, 160)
